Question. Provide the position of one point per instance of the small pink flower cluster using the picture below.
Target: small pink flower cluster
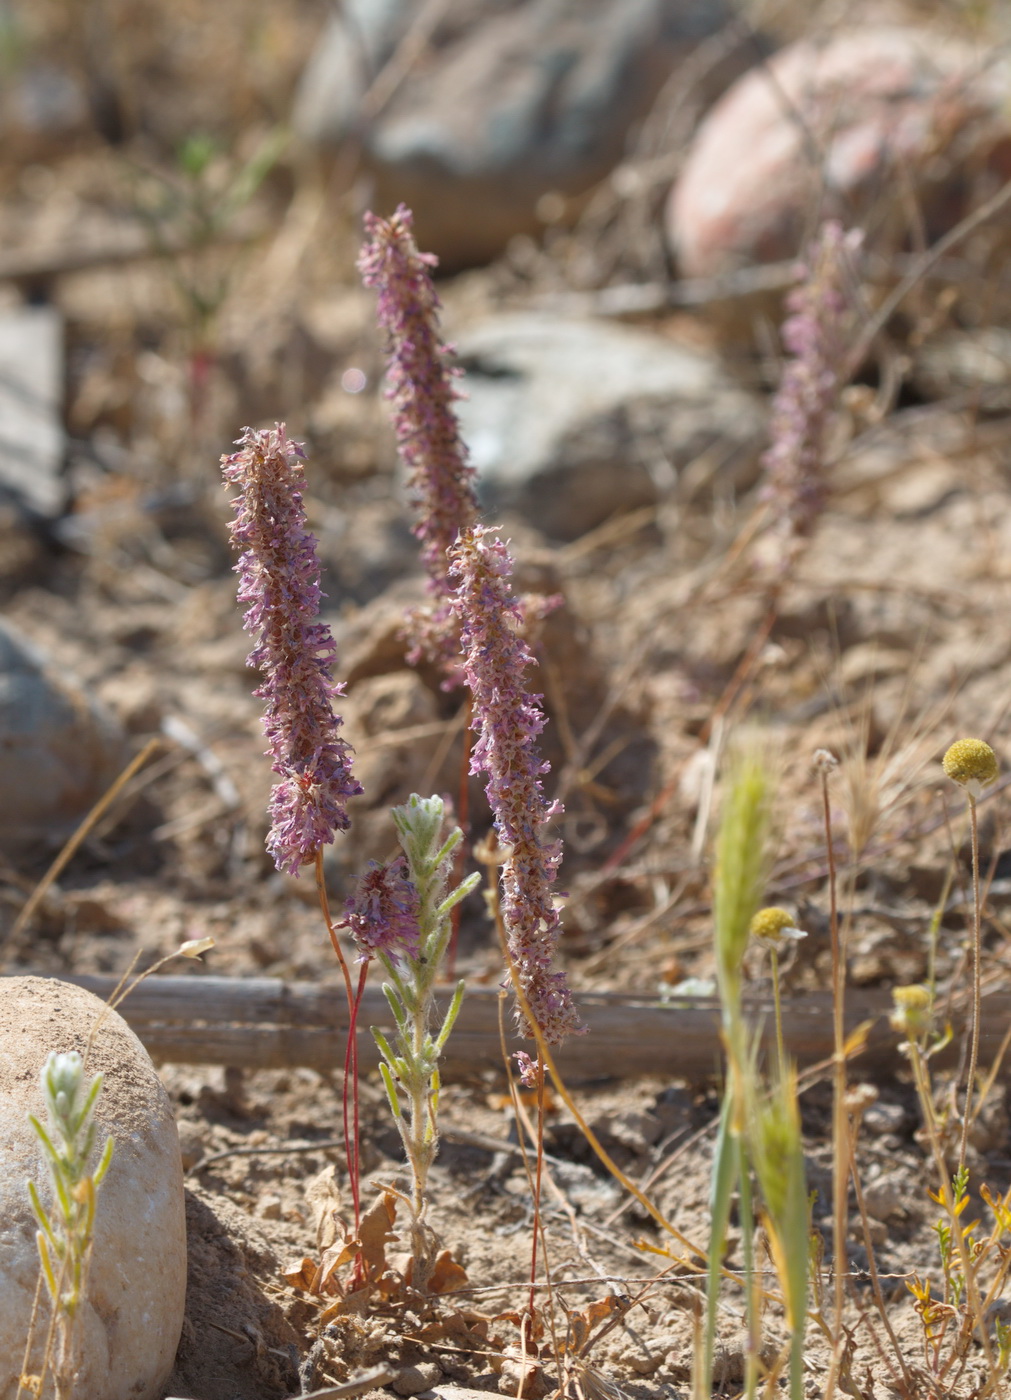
(420, 383)
(814, 334)
(279, 579)
(508, 720)
(383, 912)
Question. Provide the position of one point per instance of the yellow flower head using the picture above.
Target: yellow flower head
(773, 927)
(912, 1010)
(971, 763)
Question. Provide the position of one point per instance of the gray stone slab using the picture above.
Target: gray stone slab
(32, 439)
(570, 421)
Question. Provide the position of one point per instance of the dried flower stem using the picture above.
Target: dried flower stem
(778, 1012)
(977, 980)
(872, 1263)
(973, 765)
(840, 1117)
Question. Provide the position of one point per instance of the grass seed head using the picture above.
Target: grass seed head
(743, 855)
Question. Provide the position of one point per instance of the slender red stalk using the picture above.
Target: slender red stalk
(538, 1181)
(351, 1072)
(463, 850)
(351, 1053)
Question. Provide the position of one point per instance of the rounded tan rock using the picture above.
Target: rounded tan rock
(832, 124)
(129, 1326)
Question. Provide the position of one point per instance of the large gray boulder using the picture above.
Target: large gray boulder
(129, 1325)
(59, 749)
(571, 421)
(358, 39)
(515, 100)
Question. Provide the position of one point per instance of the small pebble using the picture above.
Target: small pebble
(414, 1380)
(191, 1145)
(884, 1198)
(882, 1118)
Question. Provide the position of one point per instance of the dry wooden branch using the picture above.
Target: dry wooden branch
(133, 244)
(260, 1023)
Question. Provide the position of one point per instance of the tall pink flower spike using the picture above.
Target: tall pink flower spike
(420, 383)
(814, 334)
(508, 720)
(279, 579)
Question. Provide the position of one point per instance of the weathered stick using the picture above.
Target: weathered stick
(132, 244)
(260, 1023)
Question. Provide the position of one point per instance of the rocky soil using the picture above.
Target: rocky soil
(618, 415)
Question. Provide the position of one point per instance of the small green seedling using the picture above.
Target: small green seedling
(66, 1227)
(410, 1066)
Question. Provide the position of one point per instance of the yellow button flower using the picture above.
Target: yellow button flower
(972, 763)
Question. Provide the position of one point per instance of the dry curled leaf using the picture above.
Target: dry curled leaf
(447, 1274)
(300, 1273)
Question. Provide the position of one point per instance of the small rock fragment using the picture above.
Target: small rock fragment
(31, 387)
(414, 1380)
(885, 1197)
(883, 1118)
(191, 1145)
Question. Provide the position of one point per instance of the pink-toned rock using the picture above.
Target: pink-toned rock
(844, 127)
(129, 1324)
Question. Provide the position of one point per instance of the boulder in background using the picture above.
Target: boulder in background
(59, 750)
(514, 100)
(841, 128)
(571, 421)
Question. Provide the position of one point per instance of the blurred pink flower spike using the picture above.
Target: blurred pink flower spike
(508, 720)
(420, 382)
(294, 652)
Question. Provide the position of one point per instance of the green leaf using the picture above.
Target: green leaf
(391, 1090)
(451, 1015)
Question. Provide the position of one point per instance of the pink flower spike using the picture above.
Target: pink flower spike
(279, 579)
(383, 912)
(420, 383)
(507, 721)
(815, 336)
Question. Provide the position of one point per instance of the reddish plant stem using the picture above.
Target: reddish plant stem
(351, 1062)
(351, 1053)
(463, 850)
(538, 1181)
